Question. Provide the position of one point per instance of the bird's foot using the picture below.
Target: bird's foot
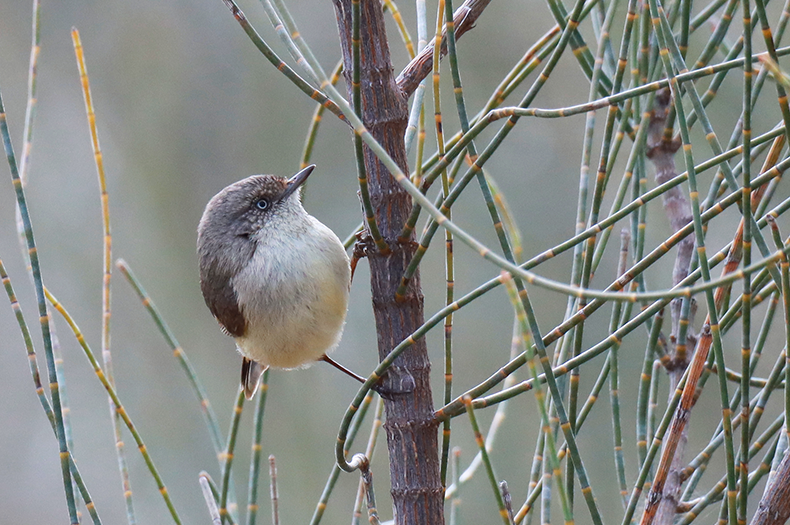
(362, 248)
(396, 381)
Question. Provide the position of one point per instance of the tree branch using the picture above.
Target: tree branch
(412, 440)
(464, 19)
(774, 508)
(661, 153)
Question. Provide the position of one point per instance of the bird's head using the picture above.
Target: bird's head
(250, 205)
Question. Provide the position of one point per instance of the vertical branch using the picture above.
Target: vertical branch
(614, 392)
(455, 501)
(252, 493)
(364, 194)
(411, 429)
(370, 495)
(449, 268)
(371, 447)
(746, 172)
(273, 491)
(107, 271)
(224, 508)
(661, 153)
(489, 468)
(32, 100)
(417, 115)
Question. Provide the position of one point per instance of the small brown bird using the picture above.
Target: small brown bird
(275, 278)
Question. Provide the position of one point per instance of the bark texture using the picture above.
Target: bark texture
(411, 429)
(661, 152)
(774, 508)
(420, 67)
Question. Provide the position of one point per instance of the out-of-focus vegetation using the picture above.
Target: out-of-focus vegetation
(186, 105)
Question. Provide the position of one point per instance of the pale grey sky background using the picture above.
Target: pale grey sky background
(186, 105)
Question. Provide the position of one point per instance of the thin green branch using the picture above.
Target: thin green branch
(43, 317)
(117, 402)
(252, 493)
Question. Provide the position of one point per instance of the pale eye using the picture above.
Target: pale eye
(262, 204)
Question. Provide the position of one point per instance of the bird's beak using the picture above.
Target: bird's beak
(296, 181)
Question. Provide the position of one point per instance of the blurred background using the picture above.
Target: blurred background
(186, 105)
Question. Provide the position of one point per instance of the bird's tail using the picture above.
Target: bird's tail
(251, 372)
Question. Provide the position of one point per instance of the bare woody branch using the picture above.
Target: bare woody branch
(661, 153)
(662, 503)
(464, 19)
(774, 508)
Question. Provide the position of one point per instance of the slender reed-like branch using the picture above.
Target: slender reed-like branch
(178, 352)
(31, 355)
(35, 266)
(228, 455)
(275, 499)
(486, 460)
(275, 60)
(117, 402)
(255, 461)
(32, 95)
(107, 271)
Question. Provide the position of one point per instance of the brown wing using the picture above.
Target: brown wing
(223, 251)
(221, 300)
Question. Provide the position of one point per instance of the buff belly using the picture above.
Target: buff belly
(304, 292)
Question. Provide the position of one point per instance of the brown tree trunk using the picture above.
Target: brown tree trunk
(417, 493)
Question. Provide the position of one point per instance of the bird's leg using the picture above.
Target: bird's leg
(342, 368)
(362, 247)
(406, 386)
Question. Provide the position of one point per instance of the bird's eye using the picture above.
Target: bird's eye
(262, 204)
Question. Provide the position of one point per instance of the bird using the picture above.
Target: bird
(275, 278)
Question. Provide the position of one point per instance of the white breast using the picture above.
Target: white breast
(294, 296)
